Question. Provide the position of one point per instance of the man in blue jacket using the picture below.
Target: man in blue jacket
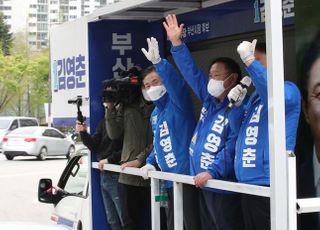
(252, 149)
(172, 123)
(212, 146)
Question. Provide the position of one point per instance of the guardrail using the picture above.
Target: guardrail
(295, 205)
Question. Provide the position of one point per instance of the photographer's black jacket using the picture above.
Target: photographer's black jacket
(102, 145)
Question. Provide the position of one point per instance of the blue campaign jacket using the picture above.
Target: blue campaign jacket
(252, 149)
(172, 122)
(212, 145)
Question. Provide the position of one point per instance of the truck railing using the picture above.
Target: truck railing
(296, 206)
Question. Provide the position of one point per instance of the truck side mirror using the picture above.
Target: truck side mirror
(45, 194)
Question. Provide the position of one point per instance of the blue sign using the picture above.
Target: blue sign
(228, 19)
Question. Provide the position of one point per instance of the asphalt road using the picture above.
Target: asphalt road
(19, 184)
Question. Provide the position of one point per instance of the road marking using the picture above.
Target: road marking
(27, 174)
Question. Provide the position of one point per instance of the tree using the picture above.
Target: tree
(39, 88)
(5, 36)
(32, 87)
(14, 77)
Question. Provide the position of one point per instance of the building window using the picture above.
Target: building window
(32, 15)
(6, 7)
(53, 11)
(32, 33)
(32, 24)
(7, 16)
(42, 8)
(53, 2)
(73, 7)
(42, 17)
(33, 6)
(43, 1)
(42, 36)
(42, 26)
(32, 43)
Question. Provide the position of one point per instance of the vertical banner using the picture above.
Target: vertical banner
(307, 26)
(69, 70)
(113, 46)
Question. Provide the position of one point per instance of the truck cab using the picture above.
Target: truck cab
(70, 197)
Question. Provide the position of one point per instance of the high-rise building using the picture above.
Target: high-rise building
(36, 16)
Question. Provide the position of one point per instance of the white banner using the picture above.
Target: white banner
(69, 69)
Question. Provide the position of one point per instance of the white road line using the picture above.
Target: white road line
(27, 174)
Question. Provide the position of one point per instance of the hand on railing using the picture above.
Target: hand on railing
(145, 169)
(201, 179)
(134, 164)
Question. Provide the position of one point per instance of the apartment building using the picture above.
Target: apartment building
(34, 17)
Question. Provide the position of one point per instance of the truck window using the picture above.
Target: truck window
(76, 182)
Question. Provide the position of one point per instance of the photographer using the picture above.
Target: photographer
(130, 119)
(107, 151)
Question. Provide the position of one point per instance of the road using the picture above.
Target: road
(19, 184)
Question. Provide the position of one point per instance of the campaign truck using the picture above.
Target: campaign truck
(91, 49)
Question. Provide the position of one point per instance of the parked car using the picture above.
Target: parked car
(37, 141)
(8, 124)
(71, 195)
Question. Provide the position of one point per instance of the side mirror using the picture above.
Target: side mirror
(45, 194)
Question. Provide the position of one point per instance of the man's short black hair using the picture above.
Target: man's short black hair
(261, 47)
(230, 64)
(311, 55)
(147, 70)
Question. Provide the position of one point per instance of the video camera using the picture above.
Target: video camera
(124, 90)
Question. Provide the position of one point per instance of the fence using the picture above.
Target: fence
(295, 205)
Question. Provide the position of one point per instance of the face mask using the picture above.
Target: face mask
(145, 95)
(156, 92)
(215, 87)
(105, 104)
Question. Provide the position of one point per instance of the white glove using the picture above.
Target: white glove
(246, 50)
(153, 51)
(237, 94)
(145, 169)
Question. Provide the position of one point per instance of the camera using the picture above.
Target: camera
(124, 90)
(78, 102)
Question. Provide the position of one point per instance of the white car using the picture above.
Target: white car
(71, 198)
(37, 141)
(7, 124)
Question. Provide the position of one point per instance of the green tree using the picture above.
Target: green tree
(5, 36)
(14, 77)
(39, 88)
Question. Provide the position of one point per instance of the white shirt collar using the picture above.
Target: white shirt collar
(316, 167)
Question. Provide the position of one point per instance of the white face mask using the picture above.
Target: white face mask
(216, 87)
(154, 93)
(145, 95)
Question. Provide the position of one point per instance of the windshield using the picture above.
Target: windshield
(4, 123)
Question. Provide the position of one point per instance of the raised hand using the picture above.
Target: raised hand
(153, 51)
(246, 51)
(174, 31)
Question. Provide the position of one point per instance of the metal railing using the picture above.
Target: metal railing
(295, 206)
